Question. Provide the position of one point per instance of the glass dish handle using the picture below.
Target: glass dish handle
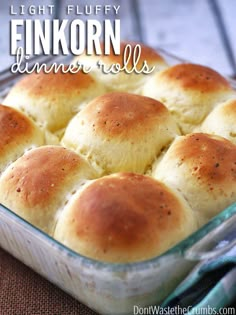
(218, 242)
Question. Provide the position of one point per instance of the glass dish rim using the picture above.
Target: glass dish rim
(177, 250)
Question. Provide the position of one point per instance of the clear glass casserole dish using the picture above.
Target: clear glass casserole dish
(113, 288)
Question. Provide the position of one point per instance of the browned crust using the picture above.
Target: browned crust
(46, 84)
(125, 212)
(38, 176)
(14, 126)
(229, 108)
(195, 77)
(124, 114)
(210, 159)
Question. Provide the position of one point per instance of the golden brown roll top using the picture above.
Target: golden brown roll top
(203, 168)
(37, 185)
(222, 121)
(189, 91)
(52, 99)
(121, 132)
(18, 134)
(124, 217)
(123, 81)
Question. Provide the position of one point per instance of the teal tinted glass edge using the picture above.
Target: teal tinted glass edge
(177, 250)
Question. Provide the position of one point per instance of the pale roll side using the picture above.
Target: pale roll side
(222, 121)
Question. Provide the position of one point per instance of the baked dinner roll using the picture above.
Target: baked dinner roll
(189, 91)
(203, 168)
(123, 81)
(123, 218)
(53, 99)
(18, 134)
(38, 184)
(121, 132)
(222, 121)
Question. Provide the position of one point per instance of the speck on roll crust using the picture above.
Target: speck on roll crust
(121, 132)
(203, 168)
(124, 217)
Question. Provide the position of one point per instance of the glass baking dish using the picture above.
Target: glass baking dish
(113, 288)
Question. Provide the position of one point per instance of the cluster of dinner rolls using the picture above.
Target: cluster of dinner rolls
(119, 176)
(52, 99)
(190, 92)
